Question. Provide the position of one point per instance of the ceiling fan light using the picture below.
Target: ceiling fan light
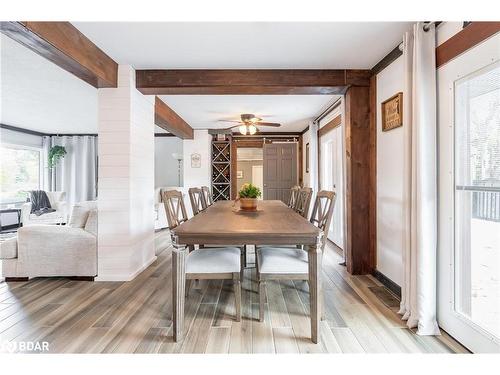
(252, 129)
(243, 129)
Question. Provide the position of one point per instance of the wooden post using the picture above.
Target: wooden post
(358, 172)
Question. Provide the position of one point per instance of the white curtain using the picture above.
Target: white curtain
(76, 173)
(418, 302)
(313, 157)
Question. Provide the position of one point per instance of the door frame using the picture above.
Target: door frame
(257, 141)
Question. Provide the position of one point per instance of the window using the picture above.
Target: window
(19, 172)
(477, 198)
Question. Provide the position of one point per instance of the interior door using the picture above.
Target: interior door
(280, 170)
(257, 177)
(469, 198)
(331, 178)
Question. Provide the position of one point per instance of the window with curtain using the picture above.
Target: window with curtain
(477, 198)
(19, 172)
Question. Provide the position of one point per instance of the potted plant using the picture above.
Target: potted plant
(55, 154)
(247, 196)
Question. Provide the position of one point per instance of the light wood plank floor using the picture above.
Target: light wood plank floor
(135, 317)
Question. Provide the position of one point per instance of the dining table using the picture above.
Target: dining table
(224, 223)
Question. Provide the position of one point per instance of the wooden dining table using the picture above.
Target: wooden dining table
(224, 224)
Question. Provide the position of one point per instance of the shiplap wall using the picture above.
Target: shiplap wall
(126, 179)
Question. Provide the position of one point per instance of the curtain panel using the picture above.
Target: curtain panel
(419, 290)
(76, 173)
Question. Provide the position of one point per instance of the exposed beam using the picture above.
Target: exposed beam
(472, 34)
(167, 119)
(249, 82)
(67, 47)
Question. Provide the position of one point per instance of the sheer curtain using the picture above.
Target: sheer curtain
(76, 173)
(418, 299)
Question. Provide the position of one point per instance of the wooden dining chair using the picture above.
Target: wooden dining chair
(294, 191)
(303, 201)
(280, 263)
(222, 263)
(198, 202)
(207, 195)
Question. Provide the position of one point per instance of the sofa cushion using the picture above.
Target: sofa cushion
(8, 248)
(79, 216)
(91, 224)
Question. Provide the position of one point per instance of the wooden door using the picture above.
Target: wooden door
(280, 170)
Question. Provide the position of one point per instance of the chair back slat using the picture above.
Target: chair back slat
(294, 191)
(197, 198)
(303, 201)
(323, 211)
(174, 208)
(207, 195)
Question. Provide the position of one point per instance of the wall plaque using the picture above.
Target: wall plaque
(195, 161)
(392, 112)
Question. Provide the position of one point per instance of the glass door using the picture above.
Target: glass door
(331, 178)
(469, 245)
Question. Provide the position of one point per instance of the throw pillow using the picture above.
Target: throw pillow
(91, 224)
(78, 217)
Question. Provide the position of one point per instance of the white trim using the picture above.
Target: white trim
(126, 277)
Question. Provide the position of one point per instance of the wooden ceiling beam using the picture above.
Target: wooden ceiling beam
(249, 82)
(67, 47)
(167, 119)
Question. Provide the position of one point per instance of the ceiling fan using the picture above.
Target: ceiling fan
(249, 123)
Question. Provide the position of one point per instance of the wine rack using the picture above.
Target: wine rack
(221, 169)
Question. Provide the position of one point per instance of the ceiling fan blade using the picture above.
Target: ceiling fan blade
(232, 127)
(235, 121)
(274, 124)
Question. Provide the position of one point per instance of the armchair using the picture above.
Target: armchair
(59, 216)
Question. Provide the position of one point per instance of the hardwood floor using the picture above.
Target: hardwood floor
(135, 317)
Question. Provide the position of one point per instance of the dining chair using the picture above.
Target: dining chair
(280, 263)
(222, 263)
(207, 195)
(293, 196)
(198, 202)
(303, 201)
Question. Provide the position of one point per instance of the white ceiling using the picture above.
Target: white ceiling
(252, 45)
(36, 94)
(205, 111)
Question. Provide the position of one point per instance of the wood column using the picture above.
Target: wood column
(358, 165)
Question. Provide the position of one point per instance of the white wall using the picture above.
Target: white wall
(166, 167)
(126, 179)
(390, 169)
(197, 177)
(390, 180)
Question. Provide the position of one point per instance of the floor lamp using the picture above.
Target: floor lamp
(178, 157)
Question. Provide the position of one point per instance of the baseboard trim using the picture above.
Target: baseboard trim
(388, 283)
(127, 277)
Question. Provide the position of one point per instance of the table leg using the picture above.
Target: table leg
(315, 258)
(179, 256)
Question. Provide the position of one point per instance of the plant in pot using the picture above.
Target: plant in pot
(247, 196)
(55, 154)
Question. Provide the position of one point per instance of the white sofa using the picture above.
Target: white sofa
(59, 216)
(54, 250)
